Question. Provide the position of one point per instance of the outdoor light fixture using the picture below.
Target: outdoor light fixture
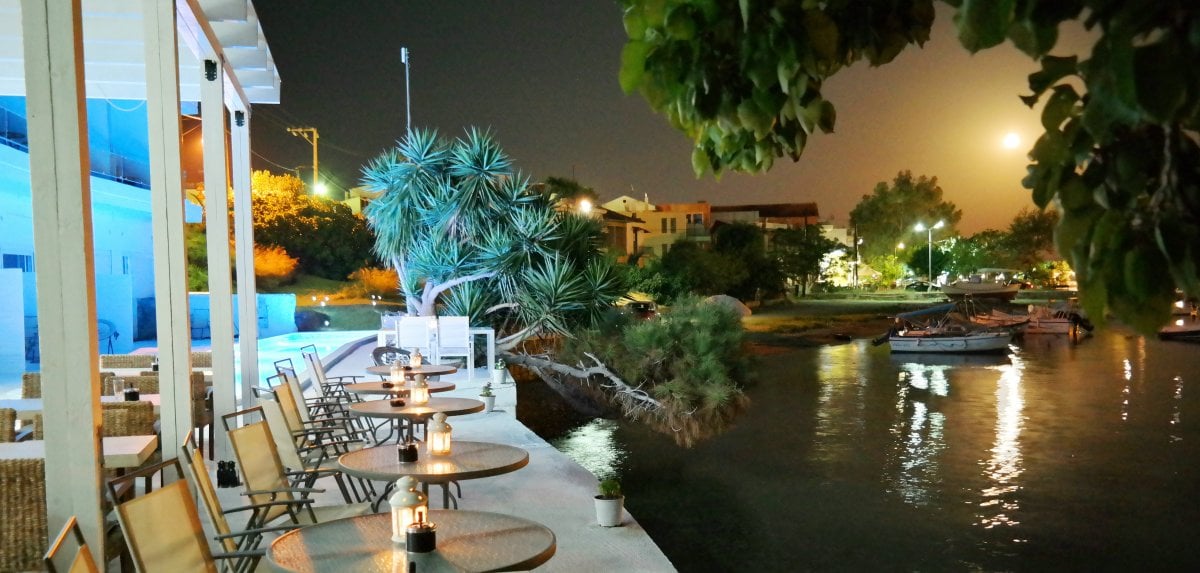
(415, 360)
(396, 375)
(929, 242)
(408, 507)
(585, 206)
(418, 391)
(438, 435)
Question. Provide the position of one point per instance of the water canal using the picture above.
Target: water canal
(1057, 457)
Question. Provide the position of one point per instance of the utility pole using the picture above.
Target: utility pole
(305, 132)
(407, 98)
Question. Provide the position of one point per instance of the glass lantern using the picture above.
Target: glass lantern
(416, 360)
(438, 435)
(418, 391)
(396, 375)
(408, 505)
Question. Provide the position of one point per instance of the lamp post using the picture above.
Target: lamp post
(407, 99)
(929, 242)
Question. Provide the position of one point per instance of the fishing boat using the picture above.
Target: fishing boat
(976, 287)
(944, 328)
(1185, 328)
(1061, 319)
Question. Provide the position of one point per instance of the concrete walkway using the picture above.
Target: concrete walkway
(552, 490)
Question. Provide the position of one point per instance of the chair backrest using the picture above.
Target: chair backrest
(22, 514)
(31, 385)
(281, 434)
(163, 531)
(202, 360)
(145, 384)
(316, 368)
(81, 561)
(126, 360)
(8, 424)
(260, 464)
(127, 419)
(388, 320)
(292, 403)
(193, 460)
(454, 332)
(201, 407)
(416, 332)
(386, 355)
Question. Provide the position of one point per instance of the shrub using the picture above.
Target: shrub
(273, 267)
(376, 281)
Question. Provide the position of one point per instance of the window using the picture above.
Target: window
(664, 225)
(674, 224)
(23, 262)
(125, 264)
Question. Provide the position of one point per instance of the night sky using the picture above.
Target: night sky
(542, 75)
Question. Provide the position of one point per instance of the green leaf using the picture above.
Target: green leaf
(1054, 68)
(983, 23)
(744, 6)
(633, 65)
(822, 33)
(1059, 107)
(828, 116)
(1161, 88)
(700, 162)
(680, 25)
(635, 23)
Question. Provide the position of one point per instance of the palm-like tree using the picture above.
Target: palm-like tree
(464, 230)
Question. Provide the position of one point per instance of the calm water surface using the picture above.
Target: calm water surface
(1057, 457)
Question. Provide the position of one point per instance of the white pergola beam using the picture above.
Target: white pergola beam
(66, 287)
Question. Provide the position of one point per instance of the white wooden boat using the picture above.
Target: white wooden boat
(1181, 328)
(937, 340)
(980, 289)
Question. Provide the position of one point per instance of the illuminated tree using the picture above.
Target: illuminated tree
(466, 232)
(1030, 239)
(889, 214)
(799, 253)
(1119, 157)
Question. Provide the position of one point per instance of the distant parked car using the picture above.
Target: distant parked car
(921, 286)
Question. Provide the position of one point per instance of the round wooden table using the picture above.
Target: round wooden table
(466, 541)
(415, 414)
(466, 460)
(397, 389)
(426, 369)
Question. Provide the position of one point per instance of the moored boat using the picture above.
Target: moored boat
(980, 289)
(1182, 328)
(947, 331)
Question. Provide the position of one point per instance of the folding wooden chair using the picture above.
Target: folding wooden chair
(80, 562)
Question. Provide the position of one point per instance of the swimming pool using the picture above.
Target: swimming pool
(332, 346)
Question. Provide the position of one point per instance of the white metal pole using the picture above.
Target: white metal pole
(407, 98)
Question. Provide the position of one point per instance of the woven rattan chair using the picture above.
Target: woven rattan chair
(126, 360)
(162, 528)
(202, 412)
(80, 561)
(202, 360)
(145, 384)
(22, 514)
(8, 425)
(31, 385)
(386, 355)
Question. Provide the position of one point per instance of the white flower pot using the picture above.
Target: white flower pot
(489, 402)
(610, 512)
(498, 375)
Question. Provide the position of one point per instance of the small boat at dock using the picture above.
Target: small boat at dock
(945, 331)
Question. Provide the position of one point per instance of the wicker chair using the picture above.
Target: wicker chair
(126, 360)
(386, 355)
(22, 514)
(145, 384)
(202, 360)
(31, 385)
(8, 424)
(202, 412)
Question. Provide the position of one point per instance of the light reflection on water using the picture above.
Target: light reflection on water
(1059, 456)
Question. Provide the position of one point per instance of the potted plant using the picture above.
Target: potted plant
(489, 399)
(610, 503)
(498, 372)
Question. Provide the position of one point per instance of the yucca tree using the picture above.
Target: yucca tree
(466, 231)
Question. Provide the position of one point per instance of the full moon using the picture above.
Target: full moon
(1011, 140)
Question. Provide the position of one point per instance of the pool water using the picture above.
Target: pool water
(270, 350)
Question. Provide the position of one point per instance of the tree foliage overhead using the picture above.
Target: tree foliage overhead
(1120, 157)
(463, 229)
(887, 216)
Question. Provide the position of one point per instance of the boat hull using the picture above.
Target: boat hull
(993, 342)
(957, 290)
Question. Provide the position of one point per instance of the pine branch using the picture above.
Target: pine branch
(635, 400)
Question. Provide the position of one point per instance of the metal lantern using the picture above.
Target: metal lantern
(418, 391)
(415, 359)
(409, 506)
(438, 435)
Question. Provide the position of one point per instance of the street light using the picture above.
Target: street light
(407, 104)
(929, 242)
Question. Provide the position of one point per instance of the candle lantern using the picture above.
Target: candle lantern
(396, 375)
(408, 452)
(438, 435)
(418, 391)
(415, 359)
(408, 507)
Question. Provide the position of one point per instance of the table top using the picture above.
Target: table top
(426, 369)
(466, 541)
(448, 406)
(119, 452)
(401, 388)
(467, 460)
(27, 407)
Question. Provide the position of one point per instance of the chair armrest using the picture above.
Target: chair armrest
(255, 531)
(284, 490)
(240, 554)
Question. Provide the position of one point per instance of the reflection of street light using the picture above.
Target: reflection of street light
(585, 206)
(929, 242)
